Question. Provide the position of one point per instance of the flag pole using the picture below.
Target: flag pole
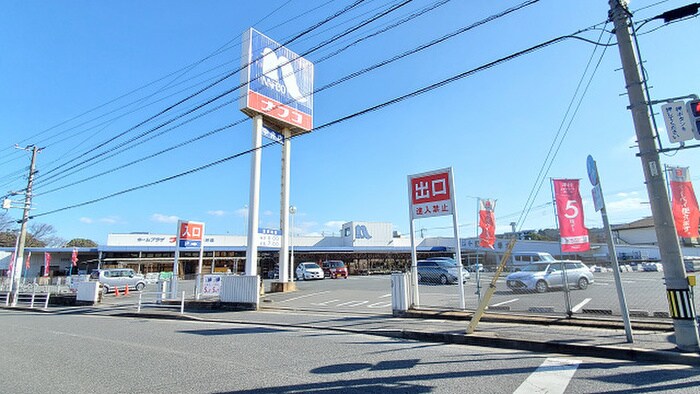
(567, 295)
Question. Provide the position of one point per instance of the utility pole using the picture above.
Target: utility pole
(17, 272)
(677, 288)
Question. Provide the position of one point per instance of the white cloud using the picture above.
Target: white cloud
(111, 220)
(160, 218)
(86, 220)
(625, 195)
(241, 212)
(267, 213)
(218, 212)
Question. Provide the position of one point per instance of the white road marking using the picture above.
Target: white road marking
(305, 296)
(379, 305)
(325, 303)
(506, 302)
(386, 295)
(353, 304)
(551, 377)
(581, 305)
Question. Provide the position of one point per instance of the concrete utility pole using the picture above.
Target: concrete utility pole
(677, 288)
(17, 268)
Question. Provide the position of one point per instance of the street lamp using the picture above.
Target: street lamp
(292, 211)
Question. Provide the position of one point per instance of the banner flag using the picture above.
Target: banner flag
(74, 257)
(47, 262)
(574, 234)
(12, 264)
(29, 258)
(686, 215)
(487, 223)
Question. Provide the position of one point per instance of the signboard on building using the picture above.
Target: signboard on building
(189, 234)
(269, 237)
(430, 194)
(277, 83)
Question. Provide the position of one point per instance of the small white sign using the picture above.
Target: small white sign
(211, 285)
(677, 121)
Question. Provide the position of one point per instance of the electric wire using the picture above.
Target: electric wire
(551, 157)
(218, 81)
(332, 84)
(211, 100)
(374, 108)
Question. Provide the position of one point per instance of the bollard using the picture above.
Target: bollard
(31, 304)
(182, 304)
(46, 304)
(138, 310)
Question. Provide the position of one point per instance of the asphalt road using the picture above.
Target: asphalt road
(75, 353)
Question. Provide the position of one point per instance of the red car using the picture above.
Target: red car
(335, 269)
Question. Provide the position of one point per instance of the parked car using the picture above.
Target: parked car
(541, 277)
(308, 271)
(652, 267)
(476, 267)
(440, 271)
(118, 278)
(274, 273)
(334, 269)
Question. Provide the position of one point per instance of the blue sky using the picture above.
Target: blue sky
(75, 74)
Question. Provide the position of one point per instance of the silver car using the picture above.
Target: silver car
(543, 276)
(118, 278)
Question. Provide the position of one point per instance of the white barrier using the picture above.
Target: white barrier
(399, 292)
(155, 300)
(240, 289)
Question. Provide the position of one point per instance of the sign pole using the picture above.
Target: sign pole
(567, 295)
(251, 256)
(476, 250)
(173, 280)
(284, 208)
(198, 283)
(458, 246)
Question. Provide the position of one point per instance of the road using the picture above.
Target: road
(74, 353)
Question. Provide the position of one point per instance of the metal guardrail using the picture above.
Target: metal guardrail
(29, 299)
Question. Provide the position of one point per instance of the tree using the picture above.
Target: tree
(81, 243)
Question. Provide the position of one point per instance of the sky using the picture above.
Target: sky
(85, 81)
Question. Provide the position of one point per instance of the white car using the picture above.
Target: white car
(308, 271)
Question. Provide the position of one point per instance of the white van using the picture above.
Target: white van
(118, 278)
(522, 259)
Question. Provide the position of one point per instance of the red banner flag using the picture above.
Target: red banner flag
(74, 257)
(12, 264)
(29, 258)
(574, 234)
(487, 223)
(47, 262)
(685, 206)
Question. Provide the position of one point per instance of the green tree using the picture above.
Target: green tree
(81, 243)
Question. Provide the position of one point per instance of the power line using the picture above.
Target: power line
(331, 123)
(225, 77)
(332, 84)
(554, 148)
(209, 101)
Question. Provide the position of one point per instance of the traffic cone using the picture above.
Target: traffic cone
(126, 290)
(116, 291)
